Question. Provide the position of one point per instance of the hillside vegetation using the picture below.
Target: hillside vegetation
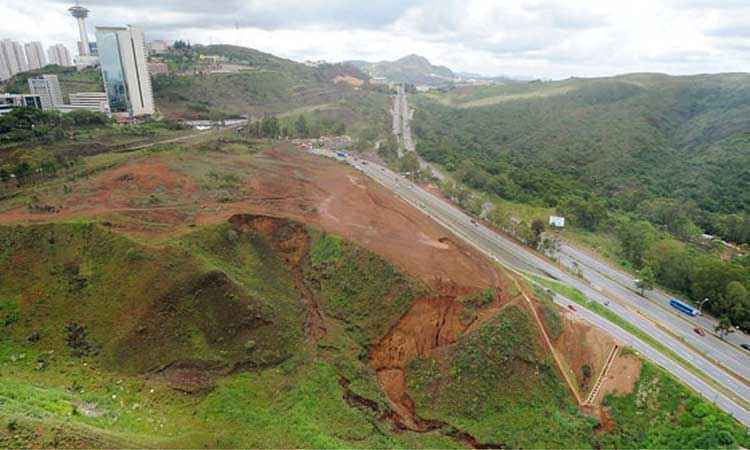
(259, 83)
(652, 160)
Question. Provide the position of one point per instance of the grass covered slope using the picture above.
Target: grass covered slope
(499, 384)
(213, 323)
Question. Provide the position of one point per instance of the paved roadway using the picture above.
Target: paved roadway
(621, 287)
(402, 121)
(734, 393)
(656, 298)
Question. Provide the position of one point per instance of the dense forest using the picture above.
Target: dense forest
(652, 159)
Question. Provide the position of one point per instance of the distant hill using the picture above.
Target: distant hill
(413, 69)
(254, 82)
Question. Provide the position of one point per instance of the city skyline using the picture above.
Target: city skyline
(541, 38)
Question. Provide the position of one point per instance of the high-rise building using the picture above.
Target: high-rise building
(4, 67)
(59, 55)
(122, 55)
(35, 55)
(80, 13)
(14, 56)
(48, 88)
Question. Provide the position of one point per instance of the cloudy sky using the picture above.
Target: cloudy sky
(537, 38)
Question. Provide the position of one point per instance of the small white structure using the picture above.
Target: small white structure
(557, 221)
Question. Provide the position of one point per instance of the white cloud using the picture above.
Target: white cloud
(546, 38)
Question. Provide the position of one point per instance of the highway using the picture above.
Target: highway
(621, 287)
(591, 266)
(734, 393)
(402, 116)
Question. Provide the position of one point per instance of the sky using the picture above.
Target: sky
(551, 39)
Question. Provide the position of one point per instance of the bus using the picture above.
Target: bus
(682, 307)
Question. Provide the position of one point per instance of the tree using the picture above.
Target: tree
(537, 228)
(724, 327)
(300, 126)
(410, 163)
(500, 217)
(269, 127)
(646, 280)
(635, 239)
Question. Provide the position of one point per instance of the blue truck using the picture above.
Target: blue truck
(682, 307)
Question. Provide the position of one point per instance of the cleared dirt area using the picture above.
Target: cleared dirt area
(585, 349)
(622, 376)
(159, 196)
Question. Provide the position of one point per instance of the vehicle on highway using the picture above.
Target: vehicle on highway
(682, 307)
(699, 331)
(572, 308)
(745, 346)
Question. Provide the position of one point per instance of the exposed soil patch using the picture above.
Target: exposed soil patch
(430, 325)
(280, 182)
(622, 376)
(191, 377)
(585, 349)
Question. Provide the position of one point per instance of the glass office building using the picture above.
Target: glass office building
(112, 70)
(122, 57)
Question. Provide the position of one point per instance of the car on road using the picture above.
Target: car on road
(745, 346)
(699, 331)
(572, 308)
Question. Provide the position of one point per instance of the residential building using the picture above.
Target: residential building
(4, 67)
(59, 54)
(48, 88)
(10, 101)
(14, 56)
(122, 55)
(158, 68)
(35, 55)
(93, 101)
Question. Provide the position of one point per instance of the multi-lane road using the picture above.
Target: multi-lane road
(655, 302)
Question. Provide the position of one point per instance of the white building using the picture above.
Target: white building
(93, 101)
(35, 55)
(13, 56)
(10, 101)
(59, 54)
(48, 89)
(122, 55)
